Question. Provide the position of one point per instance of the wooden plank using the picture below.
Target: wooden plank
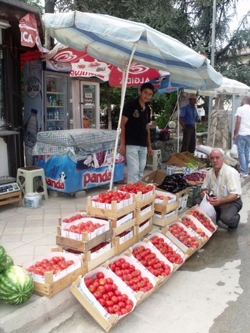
(80, 245)
(11, 198)
(163, 222)
(125, 226)
(110, 213)
(49, 290)
(123, 247)
(142, 218)
(145, 231)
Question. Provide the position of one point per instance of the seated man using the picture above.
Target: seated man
(223, 182)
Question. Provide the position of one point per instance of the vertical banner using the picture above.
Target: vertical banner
(33, 95)
(29, 32)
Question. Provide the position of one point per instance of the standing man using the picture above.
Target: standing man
(188, 117)
(135, 133)
(242, 135)
(223, 182)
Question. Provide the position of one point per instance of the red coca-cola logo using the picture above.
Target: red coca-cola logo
(96, 177)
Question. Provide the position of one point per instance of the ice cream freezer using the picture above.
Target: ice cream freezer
(77, 159)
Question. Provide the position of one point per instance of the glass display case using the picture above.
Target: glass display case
(55, 101)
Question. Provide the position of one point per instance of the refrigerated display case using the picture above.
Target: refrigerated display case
(90, 104)
(55, 102)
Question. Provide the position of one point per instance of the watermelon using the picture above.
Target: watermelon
(9, 261)
(3, 258)
(16, 285)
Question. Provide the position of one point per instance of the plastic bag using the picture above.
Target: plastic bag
(207, 208)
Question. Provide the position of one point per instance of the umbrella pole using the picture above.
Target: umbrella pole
(178, 123)
(123, 92)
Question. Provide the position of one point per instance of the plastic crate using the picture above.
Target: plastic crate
(194, 193)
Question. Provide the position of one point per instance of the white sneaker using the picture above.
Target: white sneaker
(244, 175)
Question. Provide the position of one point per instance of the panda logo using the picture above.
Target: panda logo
(62, 177)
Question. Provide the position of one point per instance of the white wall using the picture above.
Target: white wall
(4, 170)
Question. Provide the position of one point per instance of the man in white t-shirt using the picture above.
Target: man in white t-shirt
(242, 135)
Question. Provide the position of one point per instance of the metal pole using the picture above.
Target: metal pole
(210, 105)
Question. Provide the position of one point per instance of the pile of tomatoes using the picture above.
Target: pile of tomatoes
(73, 218)
(178, 232)
(203, 219)
(135, 188)
(131, 276)
(166, 250)
(81, 227)
(111, 196)
(108, 295)
(54, 265)
(190, 224)
(149, 259)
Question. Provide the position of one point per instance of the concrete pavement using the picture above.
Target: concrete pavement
(210, 293)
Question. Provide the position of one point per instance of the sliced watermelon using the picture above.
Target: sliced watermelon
(16, 285)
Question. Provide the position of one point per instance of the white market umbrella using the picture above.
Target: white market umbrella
(120, 42)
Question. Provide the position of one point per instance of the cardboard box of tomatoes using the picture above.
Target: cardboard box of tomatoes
(83, 234)
(125, 239)
(144, 213)
(163, 219)
(144, 228)
(165, 202)
(54, 272)
(105, 296)
(203, 218)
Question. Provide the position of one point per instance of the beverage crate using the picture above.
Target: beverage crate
(162, 220)
(194, 193)
(50, 284)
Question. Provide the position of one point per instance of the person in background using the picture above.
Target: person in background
(188, 117)
(135, 133)
(222, 183)
(242, 135)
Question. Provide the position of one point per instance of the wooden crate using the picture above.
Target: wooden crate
(93, 307)
(124, 246)
(112, 213)
(91, 264)
(141, 218)
(166, 206)
(51, 285)
(143, 233)
(143, 200)
(11, 197)
(81, 245)
(163, 221)
(125, 226)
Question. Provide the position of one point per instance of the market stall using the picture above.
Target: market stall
(78, 159)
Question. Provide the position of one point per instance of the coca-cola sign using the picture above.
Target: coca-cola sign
(29, 31)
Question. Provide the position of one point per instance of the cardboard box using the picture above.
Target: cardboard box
(173, 169)
(93, 307)
(186, 250)
(50, 284)
(81, 214)
(163, 219)
(142, 199)
(154, 177)
(183, 198)
(172, 245)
